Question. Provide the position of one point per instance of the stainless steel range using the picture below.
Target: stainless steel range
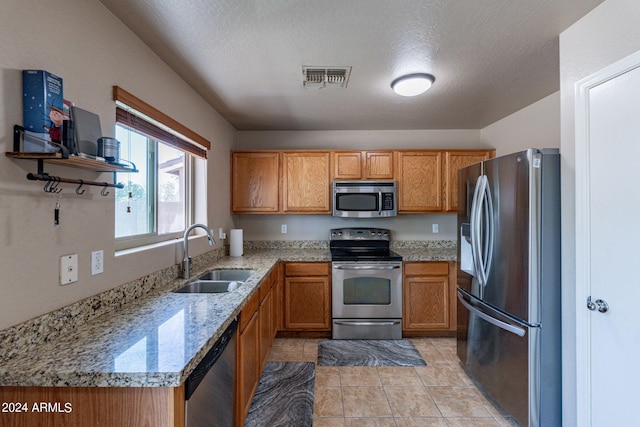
(366, 283)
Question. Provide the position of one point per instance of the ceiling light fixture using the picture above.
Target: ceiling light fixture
(412, 84)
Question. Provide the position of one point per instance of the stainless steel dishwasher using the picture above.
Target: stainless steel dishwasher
(210, 389)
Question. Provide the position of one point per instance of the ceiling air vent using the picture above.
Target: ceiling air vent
(319, 77)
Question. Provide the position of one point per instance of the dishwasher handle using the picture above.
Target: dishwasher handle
(212, 356)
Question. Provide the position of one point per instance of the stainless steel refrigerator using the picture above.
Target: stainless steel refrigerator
(508, 279)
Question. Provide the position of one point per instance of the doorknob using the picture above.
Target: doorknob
(599, 304)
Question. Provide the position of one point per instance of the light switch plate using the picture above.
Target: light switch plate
(68, 269)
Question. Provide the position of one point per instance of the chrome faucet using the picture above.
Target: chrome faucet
(186, 262)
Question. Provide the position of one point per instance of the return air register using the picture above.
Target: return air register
(320, 77)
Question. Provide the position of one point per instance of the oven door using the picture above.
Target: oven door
(367, 290)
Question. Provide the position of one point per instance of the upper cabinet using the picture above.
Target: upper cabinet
(299, 182)
(306, 182)
(419, 175)
(453, 161)
(363, 165)
(255, 182)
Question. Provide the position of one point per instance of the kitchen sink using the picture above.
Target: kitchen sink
(230, 275)
(216, 282)
(209, 287)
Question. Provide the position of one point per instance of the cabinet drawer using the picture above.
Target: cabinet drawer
(306, 269)
(426, 268)
(249, 310)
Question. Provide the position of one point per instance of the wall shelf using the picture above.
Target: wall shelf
(65, 159)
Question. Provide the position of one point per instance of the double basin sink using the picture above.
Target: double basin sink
(216, 281)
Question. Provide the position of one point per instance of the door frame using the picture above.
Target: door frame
(582, 221)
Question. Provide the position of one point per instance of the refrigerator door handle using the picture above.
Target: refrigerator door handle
(489, 229)
(475, 226)
(499, 323)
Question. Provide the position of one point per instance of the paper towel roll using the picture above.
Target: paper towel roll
(236, 242)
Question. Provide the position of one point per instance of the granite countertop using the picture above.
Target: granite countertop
(157, 340)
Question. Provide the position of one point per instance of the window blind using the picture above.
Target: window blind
(138, 115)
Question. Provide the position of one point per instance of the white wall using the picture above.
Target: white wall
(82, 42)
(537, 125)
(607, 34)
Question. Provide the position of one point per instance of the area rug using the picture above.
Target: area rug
(284, 396)
(368, 353)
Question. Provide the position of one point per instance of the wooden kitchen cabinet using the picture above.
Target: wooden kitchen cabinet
(347, 165)
(363, 165)
(256, 333)
(255, 182)
(306, 182)
(419, 176)
(378, 165)
(90, 406)
(247, 358)
(428, 298)
(453, 161)
(307, 297)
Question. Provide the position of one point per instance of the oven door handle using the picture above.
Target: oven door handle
(366, 267)
(370, 323)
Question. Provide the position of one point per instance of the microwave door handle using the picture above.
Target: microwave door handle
(380, 202)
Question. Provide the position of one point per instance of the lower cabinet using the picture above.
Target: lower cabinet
(429, 305)
(307, 296)
(257, 329)
(91, 406)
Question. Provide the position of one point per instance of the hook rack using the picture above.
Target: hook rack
(53, 181)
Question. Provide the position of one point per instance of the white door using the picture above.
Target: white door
(608, 245)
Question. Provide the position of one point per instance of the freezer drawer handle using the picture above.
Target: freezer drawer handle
(507, 327)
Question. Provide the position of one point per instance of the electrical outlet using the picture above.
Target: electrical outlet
(435, 229)
(221, 234)
(97, 262)
(283, 229)
(68, 269)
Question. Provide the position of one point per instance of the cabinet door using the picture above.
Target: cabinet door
(307, 303)
(265, 313)
(378, 165)
(419, 181)
(427, 293)
(347, 165)
(455, 160)
(248, 366)
(254, 182)
(426, 303)
(306, 182)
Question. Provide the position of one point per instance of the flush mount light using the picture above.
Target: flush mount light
(412, 84)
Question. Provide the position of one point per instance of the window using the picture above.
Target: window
(156, 202)
(159, 205)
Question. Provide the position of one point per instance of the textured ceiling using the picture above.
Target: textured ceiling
(245, 57)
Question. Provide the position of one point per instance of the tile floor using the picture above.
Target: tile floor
(437, 395)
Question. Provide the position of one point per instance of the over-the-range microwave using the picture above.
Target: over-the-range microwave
(364, 199)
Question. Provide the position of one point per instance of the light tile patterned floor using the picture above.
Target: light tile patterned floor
(437, 395)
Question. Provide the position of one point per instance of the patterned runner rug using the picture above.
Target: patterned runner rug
(284, 396)
(368, 353)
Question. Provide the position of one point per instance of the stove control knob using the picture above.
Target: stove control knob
(339, 233)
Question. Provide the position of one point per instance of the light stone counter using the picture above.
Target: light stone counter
(155, 339)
